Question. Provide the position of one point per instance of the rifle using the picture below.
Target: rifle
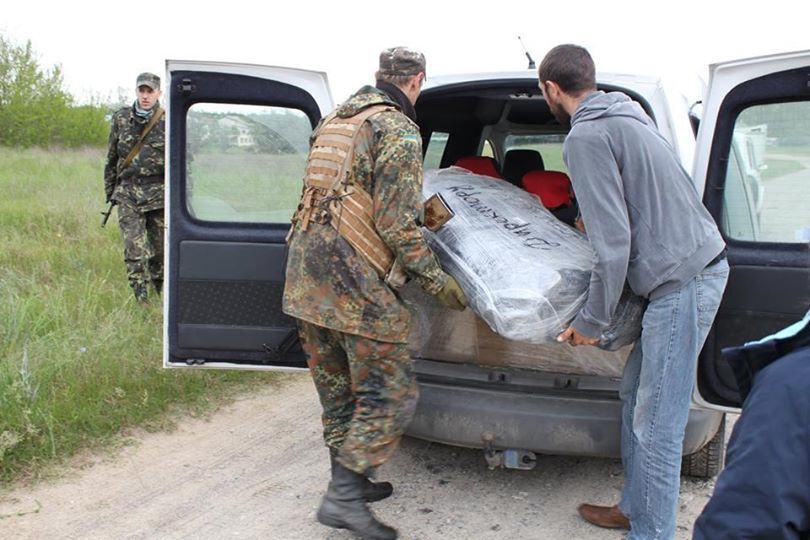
(132, 153)
(107, 214)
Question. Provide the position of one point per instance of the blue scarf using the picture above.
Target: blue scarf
(144, 113)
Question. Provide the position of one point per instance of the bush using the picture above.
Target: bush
(84, 125)
(36, 110)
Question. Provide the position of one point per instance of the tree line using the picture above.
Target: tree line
(35, 108)
(270, 130)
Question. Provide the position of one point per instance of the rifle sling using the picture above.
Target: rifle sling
(137, 148)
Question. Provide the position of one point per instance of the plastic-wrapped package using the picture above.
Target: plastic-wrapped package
(524, 272)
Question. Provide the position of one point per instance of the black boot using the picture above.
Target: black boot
(343, 507)
(372, 491)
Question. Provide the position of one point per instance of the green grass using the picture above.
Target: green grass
(246, 187)
(79, 360)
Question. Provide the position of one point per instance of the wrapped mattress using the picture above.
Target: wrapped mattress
(525, 273)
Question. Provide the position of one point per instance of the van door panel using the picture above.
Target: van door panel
(238, 138)
(769, 283)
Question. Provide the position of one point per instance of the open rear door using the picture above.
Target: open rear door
(238, 137)
(753, 156)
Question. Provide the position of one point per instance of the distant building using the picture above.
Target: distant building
(242, 131)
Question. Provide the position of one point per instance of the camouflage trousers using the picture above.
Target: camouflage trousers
(143, 244)
(367, 390)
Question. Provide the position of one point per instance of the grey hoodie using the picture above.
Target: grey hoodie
(642, 213)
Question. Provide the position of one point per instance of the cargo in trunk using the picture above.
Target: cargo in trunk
(438, 333)
(525, 273)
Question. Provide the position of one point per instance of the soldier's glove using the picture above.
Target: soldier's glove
(452, 296)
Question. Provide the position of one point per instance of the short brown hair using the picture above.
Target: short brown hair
(571, 67)
(396, 80)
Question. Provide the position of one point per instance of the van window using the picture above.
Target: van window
(549, 145)
(768, 178)
(740, 219)
(435, 150)
(245, 163)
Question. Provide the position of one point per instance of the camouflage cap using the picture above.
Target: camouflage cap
(401, 61)
(148, 79)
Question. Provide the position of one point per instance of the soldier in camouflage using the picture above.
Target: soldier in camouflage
(352, 323)
(137, 189)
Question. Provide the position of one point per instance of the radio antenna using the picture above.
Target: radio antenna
(531, 60)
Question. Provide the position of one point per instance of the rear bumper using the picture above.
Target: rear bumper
(587, 424)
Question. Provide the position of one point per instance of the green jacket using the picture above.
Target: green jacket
(141, 183)
(327, 282)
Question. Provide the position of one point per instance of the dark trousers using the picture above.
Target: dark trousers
(764, 490)
(142, 233)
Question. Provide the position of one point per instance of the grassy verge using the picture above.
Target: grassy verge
(79, 359)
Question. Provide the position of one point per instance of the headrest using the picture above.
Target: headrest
(479, 165)
(553, 187)
(518, 162)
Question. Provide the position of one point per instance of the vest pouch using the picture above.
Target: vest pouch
(352, 217)
(349, 206)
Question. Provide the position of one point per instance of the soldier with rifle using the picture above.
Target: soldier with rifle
(134, 181)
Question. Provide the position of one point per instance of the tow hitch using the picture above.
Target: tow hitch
(509, 458)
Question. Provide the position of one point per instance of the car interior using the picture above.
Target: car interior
(479, 119)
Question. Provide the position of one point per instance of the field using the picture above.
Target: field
(262, 188)
(80, 361)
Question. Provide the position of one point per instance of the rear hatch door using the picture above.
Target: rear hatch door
(753, 157)
(238, 137)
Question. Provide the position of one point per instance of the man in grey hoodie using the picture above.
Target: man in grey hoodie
(646, 223)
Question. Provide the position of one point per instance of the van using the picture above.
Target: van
(237, 145)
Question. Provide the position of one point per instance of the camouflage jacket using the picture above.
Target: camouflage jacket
(328, 283)
(141, 183)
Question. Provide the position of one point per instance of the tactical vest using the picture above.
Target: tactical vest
(330, 197)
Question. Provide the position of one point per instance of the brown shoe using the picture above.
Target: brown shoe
(609, 517)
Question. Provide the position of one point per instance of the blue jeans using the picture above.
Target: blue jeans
(656, 391)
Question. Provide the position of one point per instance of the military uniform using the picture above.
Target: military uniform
(355, 237)
(138, 193)
(353, 326)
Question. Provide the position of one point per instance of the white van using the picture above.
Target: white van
(237, 145)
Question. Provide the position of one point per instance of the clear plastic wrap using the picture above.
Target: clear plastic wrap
(525, 273)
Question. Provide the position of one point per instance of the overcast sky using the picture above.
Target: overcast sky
(102, 45)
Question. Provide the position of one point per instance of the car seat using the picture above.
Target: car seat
(553, 188)
(518, 162)
(483, 165)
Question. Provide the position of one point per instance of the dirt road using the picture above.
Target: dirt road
(258, 468)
